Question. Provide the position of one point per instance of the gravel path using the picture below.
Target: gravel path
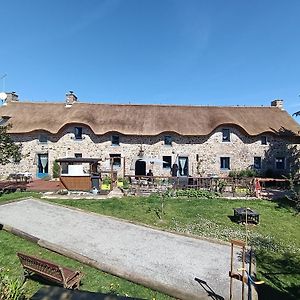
(161, 260)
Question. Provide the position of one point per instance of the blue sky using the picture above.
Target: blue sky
(194, 52)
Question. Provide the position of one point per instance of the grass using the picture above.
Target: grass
(93, 280)
(18, 195)
(276, 238)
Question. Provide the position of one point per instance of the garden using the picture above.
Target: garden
(276, 239)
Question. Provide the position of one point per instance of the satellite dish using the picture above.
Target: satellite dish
(3, 96)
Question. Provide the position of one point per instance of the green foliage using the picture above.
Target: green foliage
(18, 195)
(295, 193)
(55, 169)
(106, 180)
(9, 151)
(243, 173)
(195, 193)
(125, 183)
(10, 288)
(221, 186)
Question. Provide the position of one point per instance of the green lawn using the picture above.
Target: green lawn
(93, 280)
(276, 238)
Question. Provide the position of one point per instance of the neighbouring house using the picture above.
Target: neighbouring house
(131, 139)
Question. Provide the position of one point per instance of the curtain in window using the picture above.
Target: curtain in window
(182, 165)
(44, 161)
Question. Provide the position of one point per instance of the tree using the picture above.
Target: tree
(9, 151)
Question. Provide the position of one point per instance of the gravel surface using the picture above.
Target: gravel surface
(161, 260)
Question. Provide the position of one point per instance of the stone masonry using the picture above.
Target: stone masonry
(203, 152)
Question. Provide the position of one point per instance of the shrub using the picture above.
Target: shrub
(243, 173)
(193, 193)
(55, 169)
(125, 183)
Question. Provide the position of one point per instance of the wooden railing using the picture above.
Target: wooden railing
(141, 183)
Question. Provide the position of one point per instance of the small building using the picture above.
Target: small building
(131, 139)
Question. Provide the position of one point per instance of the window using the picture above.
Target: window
(115, 160)
(225, 163)
(168, 140)
(78, 133)
(257, 162)
(225, 135)
(264, 140)
(115, 140)
(167, 162)
(3, 120)
(280, 163)
(43, 138)
(78, 155)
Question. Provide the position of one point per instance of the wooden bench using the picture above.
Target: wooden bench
(50, 271)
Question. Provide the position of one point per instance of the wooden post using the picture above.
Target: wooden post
(231, 270)
(111, 172)
(123, 167)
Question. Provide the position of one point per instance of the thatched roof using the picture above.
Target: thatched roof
(145, 119)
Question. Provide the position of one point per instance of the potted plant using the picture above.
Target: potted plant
(106, 181)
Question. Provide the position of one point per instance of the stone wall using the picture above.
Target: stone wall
(203, 152)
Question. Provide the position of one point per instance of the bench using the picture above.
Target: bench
(49, 271)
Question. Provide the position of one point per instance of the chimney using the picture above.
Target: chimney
(277, 103)
(11, 97)
(71, 98)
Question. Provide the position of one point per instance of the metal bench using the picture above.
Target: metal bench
(50, 271)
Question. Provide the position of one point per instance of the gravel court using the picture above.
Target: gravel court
(164, 261)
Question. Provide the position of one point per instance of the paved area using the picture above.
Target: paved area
(160, 260)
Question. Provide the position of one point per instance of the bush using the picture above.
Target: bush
(55, 169)
(243, 173)
(194, 193)
(125, 183)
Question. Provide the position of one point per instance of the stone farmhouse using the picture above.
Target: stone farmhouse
(131, 139)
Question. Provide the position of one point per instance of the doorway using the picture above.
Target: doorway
(42, 165)
(183, 166)
(140, 167)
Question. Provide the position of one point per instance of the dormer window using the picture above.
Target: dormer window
(78, 133)
(264, 140)
(3, 120)
(43, 138)
(115, 140)
(168, 140)
(225, 135)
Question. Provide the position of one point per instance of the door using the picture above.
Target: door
(140, 167)
(183, 166)
(42, 165)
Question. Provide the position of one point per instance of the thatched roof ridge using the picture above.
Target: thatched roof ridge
(131, 119)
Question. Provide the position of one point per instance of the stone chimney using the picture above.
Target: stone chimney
(71, 98)
(277, 103)
(11, 97)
